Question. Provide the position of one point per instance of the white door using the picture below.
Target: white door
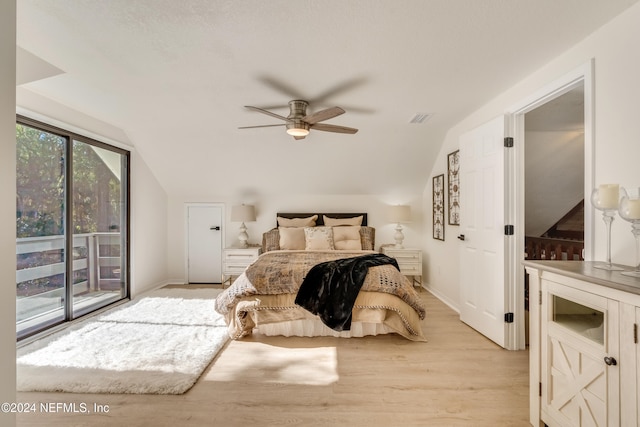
(483, 297)
(204, 244)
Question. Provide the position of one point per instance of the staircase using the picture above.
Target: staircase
(562, 241)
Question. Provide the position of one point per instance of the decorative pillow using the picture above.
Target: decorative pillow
(368, 238)
(347, 237)
(292, 238)
(271, 240)
(334, 222)
(297, 222)
(318, 238)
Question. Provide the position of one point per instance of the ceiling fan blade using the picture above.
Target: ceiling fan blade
(268, 113)
(333, 128)
(323, 115)
(281, 87)
(260, 126)
(338, 89)
(356, 109)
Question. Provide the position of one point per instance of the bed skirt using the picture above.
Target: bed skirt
(315, 328)
(374, 313)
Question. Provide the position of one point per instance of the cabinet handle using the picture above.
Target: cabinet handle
(611, 361)
(461, 237)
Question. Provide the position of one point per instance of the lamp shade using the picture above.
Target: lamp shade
(400, 213)
(243, 213)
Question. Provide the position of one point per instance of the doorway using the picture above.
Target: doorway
(554, 199)
(564, 108)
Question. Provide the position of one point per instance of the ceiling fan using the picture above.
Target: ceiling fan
(298, 122)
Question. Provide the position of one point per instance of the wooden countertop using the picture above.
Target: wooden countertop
(585, 270)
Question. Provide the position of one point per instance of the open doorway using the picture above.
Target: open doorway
(554, 175)
(554, 181)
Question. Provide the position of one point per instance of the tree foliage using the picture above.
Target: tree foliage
(40, 176)
(40, 196)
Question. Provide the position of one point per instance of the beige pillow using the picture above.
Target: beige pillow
(291, 238)
(347, 237)
(334, 222)
(297, 222)
(318, 238)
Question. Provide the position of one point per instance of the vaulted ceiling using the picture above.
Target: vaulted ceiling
(174, 77)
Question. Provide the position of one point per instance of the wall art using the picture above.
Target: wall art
(438, 207)
(453, 169)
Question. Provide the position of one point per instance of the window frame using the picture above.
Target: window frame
(72, 136)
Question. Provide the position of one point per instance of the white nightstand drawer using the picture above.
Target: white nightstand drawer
(410, 269)
(241, 255)
(409, 260)
(236, 260)
(234, 269)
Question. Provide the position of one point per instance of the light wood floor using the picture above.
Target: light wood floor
(458, 378)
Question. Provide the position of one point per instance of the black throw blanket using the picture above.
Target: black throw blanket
(330, 288)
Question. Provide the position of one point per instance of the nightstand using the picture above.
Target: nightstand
(409, 261)
(236, 260)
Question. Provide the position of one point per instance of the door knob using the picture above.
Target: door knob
(217, 227)
(611, 361)
(461, 237)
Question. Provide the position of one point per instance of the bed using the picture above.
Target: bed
(266, 297)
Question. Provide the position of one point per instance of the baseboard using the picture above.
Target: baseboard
(135, 293)
(441, 297)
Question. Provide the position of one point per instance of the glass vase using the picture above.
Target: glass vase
(606, 198)
(629, 210)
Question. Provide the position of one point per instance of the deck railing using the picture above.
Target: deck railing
(96, 265)
(553, 249)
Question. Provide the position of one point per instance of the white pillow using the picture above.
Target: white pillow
(318, 238)
(297, 222)
(333, 222)
(347, 237)
(291, 238)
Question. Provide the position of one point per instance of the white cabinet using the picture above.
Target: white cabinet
(579, 352)
(584, 355)
(630, 369)
(409, 261)
(236, 260)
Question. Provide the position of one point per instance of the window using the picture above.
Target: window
(72, 226)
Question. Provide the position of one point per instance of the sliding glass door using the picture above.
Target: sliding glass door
(40, 228)
(99, 226)
(72, 226)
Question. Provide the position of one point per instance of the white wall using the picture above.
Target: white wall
(148, 228)
(268, 205)
(554, 181)
(7, 207)
(617, 137)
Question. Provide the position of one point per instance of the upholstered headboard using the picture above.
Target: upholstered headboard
(271, 238)
(320, 220)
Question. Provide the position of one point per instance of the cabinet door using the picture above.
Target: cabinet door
(579, 332)
(629, 365)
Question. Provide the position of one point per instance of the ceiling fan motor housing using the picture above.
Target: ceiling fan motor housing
(298, 109)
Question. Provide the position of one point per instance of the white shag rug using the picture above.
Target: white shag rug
(158, 344)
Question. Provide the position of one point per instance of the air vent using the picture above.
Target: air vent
(420, 118)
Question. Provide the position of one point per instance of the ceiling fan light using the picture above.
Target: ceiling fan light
(298, 131)
(298, 127)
